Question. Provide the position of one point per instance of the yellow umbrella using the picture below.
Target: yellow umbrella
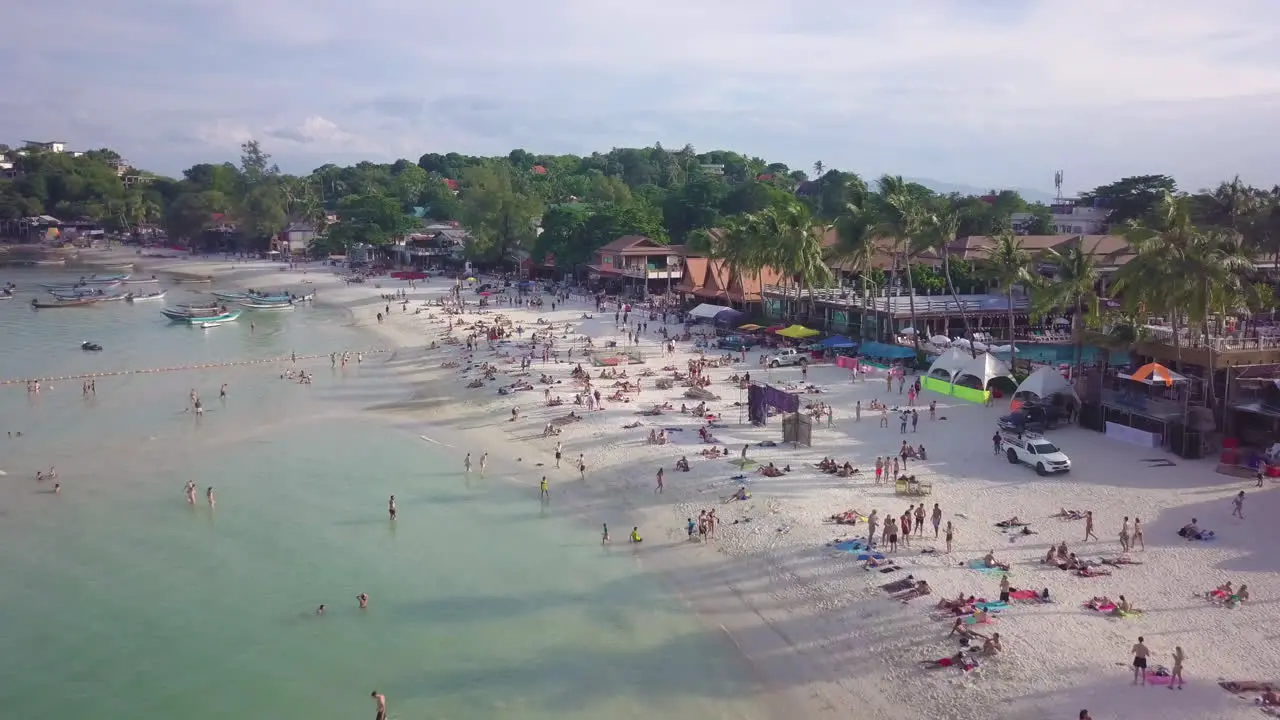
(471, 279)
(797, 332)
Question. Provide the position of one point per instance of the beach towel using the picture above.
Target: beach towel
(991, 606)
(1024, 595)
(870, 556)
(898, 585)
(973, 620)
(981, 566)
(850, 545)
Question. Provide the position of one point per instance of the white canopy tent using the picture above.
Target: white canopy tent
(707, 311)
(949, 363)
(940, 340)
(982, 370)
(1043, 383)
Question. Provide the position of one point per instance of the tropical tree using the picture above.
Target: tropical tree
(787, 242)
(939, 232)
(1009, 265)
(1074, 287)
(903, 220)
(855, 246)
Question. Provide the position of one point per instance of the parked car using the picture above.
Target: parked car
(1034, 450)
(1037, 418)
(789, 356)
(737, 343)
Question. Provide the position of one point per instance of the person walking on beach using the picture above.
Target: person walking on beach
(857, 412)
(879, 468)
(950, 534)
(658, 489)
(1124, 535)
(873, 522)
(915, 420)
(582, 467)
(1237, 505)
(996, 441)
(1088, 526)
(1140, 653)
(1176, 674)
(1137, 534)
(391, 507)
(936, 519)
(559, 448)
(543, 493)
(920, 520)
(380, 701)
(884, 417)
(466, 463)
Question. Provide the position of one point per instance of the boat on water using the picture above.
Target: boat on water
(81, 288)
(183, 314)
(80, 302)
(216, 319)
(266, 306)
(142, 281)
(103, 279)
(230, 296)
(49, 262)
(139, 297)
(193, 280)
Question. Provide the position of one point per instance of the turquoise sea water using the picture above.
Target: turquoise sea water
(121, 601)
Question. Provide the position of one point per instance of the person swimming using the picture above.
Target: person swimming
(363, 599)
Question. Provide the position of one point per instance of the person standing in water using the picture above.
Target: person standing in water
(543, 493)
(363, 599)
(635, 535)
(209, 495)
(484, 463)
(191, 492)
(391, 507)
(466, 464)
(380, 701)
(604, 537)
(222, 392)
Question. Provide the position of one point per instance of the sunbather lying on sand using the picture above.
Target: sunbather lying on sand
(1269, 697)
(961, 628)
(1088, 571)
(772, 470)
(920, 590)
(1069, 514)
(1011, 522)
(959, 660)
(960, 602)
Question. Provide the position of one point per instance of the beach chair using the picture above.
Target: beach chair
(923, 488)
(901, 488)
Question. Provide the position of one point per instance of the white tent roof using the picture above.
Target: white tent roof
(1045, 382)
(949, 363)
(706, 311)
(986, 367)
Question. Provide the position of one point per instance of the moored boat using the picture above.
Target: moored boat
(142, 281)
(216, 319)
(81, 302)
(139, 297)
(82, 288)
(193, 280)
(102, 279)
(230, 296)
(266, 306)
(187, 313)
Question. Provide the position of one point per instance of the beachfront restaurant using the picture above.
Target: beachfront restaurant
(881, 317)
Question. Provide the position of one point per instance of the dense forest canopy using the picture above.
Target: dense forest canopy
(564, 206)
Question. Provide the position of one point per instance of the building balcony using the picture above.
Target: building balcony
(649, 273)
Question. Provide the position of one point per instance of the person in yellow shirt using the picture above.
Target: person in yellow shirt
(635, 535)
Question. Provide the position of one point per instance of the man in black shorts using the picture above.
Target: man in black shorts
(381, 701)
(1140, 653)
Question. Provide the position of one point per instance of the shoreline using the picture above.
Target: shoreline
(812, 627)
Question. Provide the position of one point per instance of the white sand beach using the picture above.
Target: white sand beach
(822, 637)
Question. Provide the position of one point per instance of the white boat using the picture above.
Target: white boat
(266, 306)
(132, 297)
(144, 281)
(213, 324)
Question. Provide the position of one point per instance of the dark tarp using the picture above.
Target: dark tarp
(885, 350)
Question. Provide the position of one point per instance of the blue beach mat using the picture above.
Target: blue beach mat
(982, 567)
(850, 546)
(991, 606)
(870, 556)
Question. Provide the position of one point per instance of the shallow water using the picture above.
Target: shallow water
(121, 601)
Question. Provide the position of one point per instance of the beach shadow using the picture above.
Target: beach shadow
(1255, 537)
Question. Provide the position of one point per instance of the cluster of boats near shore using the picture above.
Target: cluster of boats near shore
(211, 315)
(94, 289)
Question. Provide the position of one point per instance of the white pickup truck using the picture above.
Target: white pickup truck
(790, 356)
(1032, 449)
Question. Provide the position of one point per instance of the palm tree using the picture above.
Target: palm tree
(903, 220)
(941, 230)
(855, 245)
(1009, 265)
(739, 246)
(1074, 286)
(787, 242)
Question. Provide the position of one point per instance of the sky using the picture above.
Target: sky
(990, 93)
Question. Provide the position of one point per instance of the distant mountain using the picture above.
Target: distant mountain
(946, 188)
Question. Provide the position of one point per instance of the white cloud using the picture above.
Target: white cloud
(1000, 92)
